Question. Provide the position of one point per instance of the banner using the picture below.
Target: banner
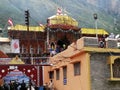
(15, 46)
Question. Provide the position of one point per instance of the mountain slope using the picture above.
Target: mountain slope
(108, 12)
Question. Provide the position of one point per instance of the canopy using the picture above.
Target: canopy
(93, 31)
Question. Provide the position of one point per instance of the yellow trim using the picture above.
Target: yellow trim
(112, 59)
(93, 31)
(111, 71)
(89, 76)
(114, 79)
(95, 49)
(102, 50)
(31, 28)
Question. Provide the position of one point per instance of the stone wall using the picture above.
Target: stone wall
(111, 43)
(100, 73)
(90, 42)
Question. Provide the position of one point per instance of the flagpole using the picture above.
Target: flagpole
(4, 28)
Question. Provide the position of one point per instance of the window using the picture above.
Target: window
(77, 68)
(51, 74)
(114, 63)
(65, 75)
(57, 74)
(116, 68)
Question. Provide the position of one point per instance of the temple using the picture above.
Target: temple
(61, 51)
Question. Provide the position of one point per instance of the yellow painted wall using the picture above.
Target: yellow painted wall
(80, 82)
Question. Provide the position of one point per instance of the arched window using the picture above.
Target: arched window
(114, 63)
(116, 68)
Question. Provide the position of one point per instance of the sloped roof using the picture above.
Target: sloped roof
(4, 39)
(62, 19)
(3, 55)
(24, 28)
(94, 31)
(16, 60)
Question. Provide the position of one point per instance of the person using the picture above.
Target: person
(23, 86)
(101, 43)
(112, 35)
(12, 85)
(30, 86)
(45, 86)
(6, 86)
(50, 85)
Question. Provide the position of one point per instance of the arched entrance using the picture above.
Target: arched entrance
(63, 43)
(34, 72)
(16, 76)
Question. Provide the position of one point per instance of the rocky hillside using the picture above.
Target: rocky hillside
(108, 12)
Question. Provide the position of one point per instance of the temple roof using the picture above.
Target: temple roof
(62, 19)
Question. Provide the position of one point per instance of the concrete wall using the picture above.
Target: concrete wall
(79, 82)
(100, 73)
(5, 47)
(111, 43)
(87, 42)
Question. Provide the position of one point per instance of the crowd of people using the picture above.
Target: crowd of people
(14, 85)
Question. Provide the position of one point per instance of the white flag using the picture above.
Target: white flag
(15, 46)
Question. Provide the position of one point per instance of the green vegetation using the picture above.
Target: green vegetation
(40, 10)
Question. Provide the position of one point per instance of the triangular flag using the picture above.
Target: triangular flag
(59, 11)
(10, 22)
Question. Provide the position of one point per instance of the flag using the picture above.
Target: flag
(59, 11)
(10, 22)
(15, 46)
